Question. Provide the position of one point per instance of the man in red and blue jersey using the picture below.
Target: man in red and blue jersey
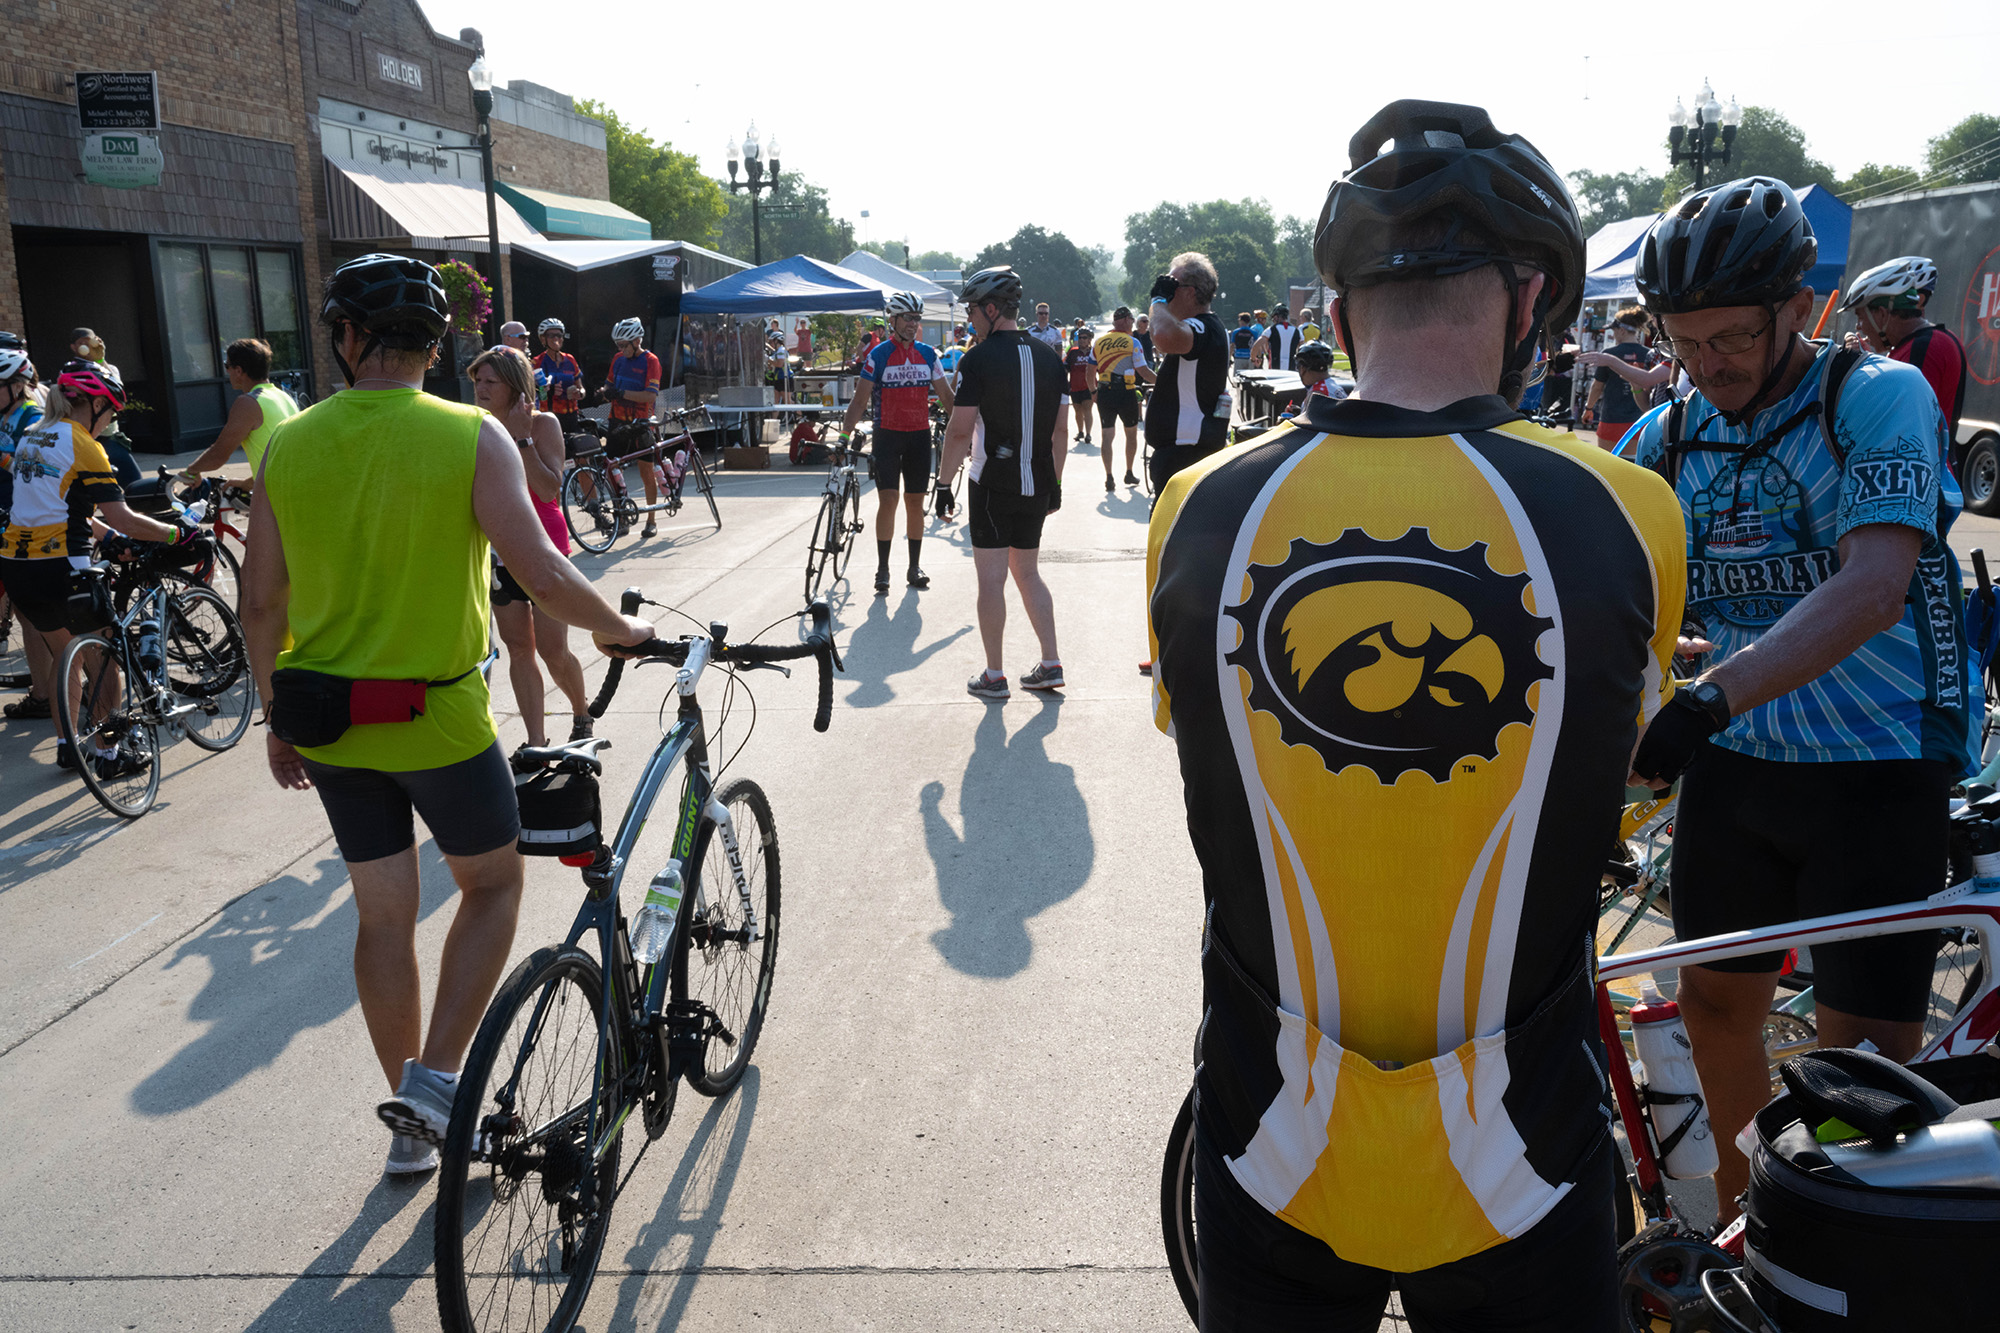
(897, 380)
(557, 375)
(631, 388)
(1888, 302)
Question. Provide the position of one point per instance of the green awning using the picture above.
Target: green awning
(555, 214)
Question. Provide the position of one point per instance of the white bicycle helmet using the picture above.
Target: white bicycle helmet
(905, 303)
(1899, 285)
(13, 361)
(552, 325)
(627, 329)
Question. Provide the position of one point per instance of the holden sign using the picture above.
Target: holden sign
(122, 159)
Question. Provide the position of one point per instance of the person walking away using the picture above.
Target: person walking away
(1404, 647)
(503, 385)
(256, 411)
(1011, 420)
(1187, 416)
(359, 490)
(1242, 340)
(1121, 367)
(1610, 402)
(1821, 743)
(1309, 330)
(1888, 303)
(632, 387)
(895, 388)
(514, 334)
(1280, 343)
(1047, 334)
(1082, 368)
(61, 476)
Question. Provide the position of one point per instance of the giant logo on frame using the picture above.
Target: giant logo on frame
(1393, 655)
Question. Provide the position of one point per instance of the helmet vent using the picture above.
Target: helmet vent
(1691, 206)
(1774, 203)
(1443, 139)
(1737, 200)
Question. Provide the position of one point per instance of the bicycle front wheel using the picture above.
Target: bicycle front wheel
(706, 483)
(821, 556)
(589, 509)
(852, 521)
(517, 1243)
(225, 579)
(729, 951)
(1177, 1207)
(96, 714)
(208, 667)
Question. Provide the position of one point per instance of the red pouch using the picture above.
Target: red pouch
(386, 701)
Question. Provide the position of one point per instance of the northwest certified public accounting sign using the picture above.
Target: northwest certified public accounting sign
(122, 161)
(118, 101)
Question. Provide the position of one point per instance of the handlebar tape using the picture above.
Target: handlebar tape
(822, 641)
(1979, 568)
(628, 604)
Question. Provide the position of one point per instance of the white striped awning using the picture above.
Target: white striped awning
(370, 201)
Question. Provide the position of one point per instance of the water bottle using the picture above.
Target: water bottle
(1672, 1090)
(1983, 839)
(654, 925)
(151, 655)
(1965, 1155)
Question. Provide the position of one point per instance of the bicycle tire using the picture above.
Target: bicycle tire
(1177, 1208)
(593, 518)
(706, 484)
(825, 542)
(556, 996)
(208, 663)
(225, 577)
(1146, 468)
(853, 524)
(134, 738)
(14, 673)
(1956, 976)
(714, 960)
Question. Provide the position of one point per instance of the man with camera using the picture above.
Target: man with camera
(1187, 417)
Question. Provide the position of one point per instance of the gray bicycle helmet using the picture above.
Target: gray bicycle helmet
(1000, 283)
(1746, 242)
(1447, 159)
(1901, 285)
(905, 303)
(627, 329)
(552, 325)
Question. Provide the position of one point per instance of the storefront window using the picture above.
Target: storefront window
(280, 302)
(189, 335)
(235, 298)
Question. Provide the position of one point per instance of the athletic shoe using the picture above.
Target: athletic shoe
(1130, 480)
(919, 579)
(421, 1107)
(1109, 485)
(1145, 668)
(651, 529)
(65, 755)
(581, 729)
(120, 763)
(409, 1156)
(985, 687)
(27, 708)
(1043, 678)
(882, 580)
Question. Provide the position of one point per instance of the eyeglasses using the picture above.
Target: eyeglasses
(1722, 344)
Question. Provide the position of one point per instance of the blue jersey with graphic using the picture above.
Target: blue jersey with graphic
(1763, 533)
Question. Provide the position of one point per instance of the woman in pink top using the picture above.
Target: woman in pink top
(503, 382)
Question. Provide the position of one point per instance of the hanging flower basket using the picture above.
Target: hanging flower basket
(470, 297)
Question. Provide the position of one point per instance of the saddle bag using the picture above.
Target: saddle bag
(561, 813)
(1845, 1230)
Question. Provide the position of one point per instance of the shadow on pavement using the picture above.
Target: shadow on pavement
(278, 964)
(1127, 502)
(684, 1229)
(327, 1294)
(1025, 843)
(885, 644)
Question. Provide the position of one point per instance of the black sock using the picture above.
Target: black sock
(916, 544)
(882, 554)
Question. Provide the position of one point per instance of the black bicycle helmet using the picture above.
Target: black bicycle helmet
(1446, 158)
(1744, 243)
(992, 284)
(1315, 355)
(399, 302)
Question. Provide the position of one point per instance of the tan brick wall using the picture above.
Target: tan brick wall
(11, 318)
(540, 161)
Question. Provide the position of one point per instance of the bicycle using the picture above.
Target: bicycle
(572, 1045)
(172, 659)
(293, 382)
(157, 498)
(839, 519)
(595, 501)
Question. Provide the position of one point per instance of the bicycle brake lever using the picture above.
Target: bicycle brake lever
(781, 669)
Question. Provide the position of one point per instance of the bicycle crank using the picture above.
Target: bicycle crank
(1659, 1281)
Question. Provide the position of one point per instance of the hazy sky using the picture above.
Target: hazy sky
(1067, 125)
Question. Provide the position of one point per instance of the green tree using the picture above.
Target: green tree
(796, 221)
(662, 186)
(1967, 152)
(929, 261)
(1766, 144)
(1169, 229)
(1052, 269)
(1239, 264)
(1294, 254)
(1872, 180)
(1604, 198)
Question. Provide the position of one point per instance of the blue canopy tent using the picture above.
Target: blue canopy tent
(796, 286)
(1831, 219)
(1611, 253)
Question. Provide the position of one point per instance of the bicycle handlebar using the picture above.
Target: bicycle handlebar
(819, 644)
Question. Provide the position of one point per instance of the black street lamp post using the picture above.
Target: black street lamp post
(760, 166)
(482, 102)
(1699, 130)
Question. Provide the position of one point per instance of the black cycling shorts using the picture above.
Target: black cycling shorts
(505, 591)
(1259, 1274)
(1758, 842)
(40, 590)
(1171, 458)
(469, 806)
(1078, 397)
(1001, 518)
(902, 461)
(1117, 401)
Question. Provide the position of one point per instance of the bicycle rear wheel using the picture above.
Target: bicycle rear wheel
(706, 483)
(589, 509)
(515, 1247)
(96, 713)
(1956, 977)
(14, 673)
(1177, 1207)
(726, 956)
(208, 666)
(821, 555)
(225, 579)
(851, 520)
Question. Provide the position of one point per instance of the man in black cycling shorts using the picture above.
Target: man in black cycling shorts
(1121, 369)
(898, 378)
(1404, 646)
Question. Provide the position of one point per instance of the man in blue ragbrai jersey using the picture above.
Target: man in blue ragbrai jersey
(1836, 712)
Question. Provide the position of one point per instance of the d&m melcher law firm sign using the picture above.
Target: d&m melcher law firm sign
(119, 114)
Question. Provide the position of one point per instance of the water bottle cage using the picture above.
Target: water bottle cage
(1673, 1140)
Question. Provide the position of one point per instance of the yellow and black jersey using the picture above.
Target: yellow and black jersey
(1404, 656)
(61, 475)
(1119, 357)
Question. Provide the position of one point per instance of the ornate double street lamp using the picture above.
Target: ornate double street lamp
(1699, 130)
(482, 102)
(760, 166)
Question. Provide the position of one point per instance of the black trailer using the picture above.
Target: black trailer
(1959, 230)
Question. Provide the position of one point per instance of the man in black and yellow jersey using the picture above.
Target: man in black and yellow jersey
(1405, 646)
(1121, 368)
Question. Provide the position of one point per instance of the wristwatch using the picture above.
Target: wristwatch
(1708, 697)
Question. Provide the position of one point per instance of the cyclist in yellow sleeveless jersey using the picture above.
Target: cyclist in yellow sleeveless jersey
(260, 405)
(1405, 646)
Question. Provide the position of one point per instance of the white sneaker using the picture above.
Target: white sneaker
(987, 687)
(421, 1107)
(409, 1156)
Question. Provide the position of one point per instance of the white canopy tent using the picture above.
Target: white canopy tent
(939, 307)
